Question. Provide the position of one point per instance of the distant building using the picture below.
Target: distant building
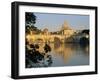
(66, 30)
(65, 34)
(45, 31)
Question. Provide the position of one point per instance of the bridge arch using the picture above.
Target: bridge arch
(57, 40)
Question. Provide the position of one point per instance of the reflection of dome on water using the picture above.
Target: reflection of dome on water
(64, 52)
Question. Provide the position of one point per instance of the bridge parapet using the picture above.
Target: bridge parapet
(51, 38)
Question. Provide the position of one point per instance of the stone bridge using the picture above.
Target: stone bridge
(46, 38)
(54, 38)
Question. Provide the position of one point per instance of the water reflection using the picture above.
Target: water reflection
(70, 54)
(62, 54)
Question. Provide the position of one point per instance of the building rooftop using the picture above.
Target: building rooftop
(65, 26)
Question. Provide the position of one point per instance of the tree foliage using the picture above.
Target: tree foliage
(85, 31)
(30, 19)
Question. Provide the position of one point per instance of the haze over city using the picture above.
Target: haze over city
(54, 21)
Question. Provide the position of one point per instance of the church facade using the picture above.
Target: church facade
(66, 30)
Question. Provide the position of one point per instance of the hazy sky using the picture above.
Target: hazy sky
(54, 21)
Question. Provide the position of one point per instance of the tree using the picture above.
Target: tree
(85, 31)
(84, 41)
(30, 21)
(30, 18)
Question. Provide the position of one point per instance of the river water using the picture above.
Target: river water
(63, 54)
(69, 54)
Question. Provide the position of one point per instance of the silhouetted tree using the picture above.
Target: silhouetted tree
(30, 19)
(84, 41)
(85, 31)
